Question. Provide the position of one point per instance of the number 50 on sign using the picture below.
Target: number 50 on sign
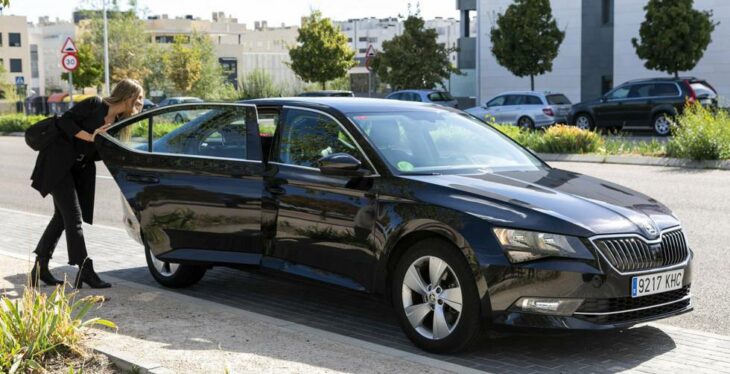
(70, 62)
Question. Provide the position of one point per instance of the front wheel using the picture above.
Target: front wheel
(173, 275)
(435, 297)
(584, 122)
(662, 125)
(526, 123)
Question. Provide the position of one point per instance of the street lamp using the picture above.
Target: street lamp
(106, 52)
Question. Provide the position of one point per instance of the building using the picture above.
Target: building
(15, 49)
(595, 55)
(239, 49)
(47, 38)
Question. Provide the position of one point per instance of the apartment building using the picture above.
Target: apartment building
(47, 38)
(15, 48)
(239, 49)
(596, 53)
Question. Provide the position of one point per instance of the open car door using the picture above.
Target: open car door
(191, 181)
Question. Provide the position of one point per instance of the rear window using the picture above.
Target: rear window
(532, 100)
(557, 100)
(440, 96)
(665, 89)
(703, 89)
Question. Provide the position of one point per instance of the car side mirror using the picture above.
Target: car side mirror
(340, 164)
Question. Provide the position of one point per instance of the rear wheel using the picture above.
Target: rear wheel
(584, 122)
(435, 297)
(173, 275)
(662, 124)
(526, 123)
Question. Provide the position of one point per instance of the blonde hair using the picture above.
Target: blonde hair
(124, 90)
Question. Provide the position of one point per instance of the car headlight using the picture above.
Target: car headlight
(522, 245)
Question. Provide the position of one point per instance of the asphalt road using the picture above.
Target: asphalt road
(698, 197)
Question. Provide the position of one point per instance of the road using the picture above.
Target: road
(697, 197)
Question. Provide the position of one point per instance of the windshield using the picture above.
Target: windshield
(441, 142)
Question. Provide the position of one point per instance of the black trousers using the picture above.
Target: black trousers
(67, 216)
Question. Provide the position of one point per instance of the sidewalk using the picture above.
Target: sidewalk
(247, 322)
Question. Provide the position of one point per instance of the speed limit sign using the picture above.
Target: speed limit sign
(70, 62)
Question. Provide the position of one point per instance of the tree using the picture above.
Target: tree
(128, 43)
(212, 84)
(183, 63)
(414, 59)
(526, 38)
(674, 36)
(4, 3)
(90, 70)
(322, 52)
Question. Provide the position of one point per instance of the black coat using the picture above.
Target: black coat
(59, 157)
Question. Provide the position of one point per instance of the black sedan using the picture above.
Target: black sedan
(451, 221)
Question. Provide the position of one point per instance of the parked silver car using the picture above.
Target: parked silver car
(528, 109)
(442, 98)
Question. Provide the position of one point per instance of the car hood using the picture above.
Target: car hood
(587, 103)
(555, 200)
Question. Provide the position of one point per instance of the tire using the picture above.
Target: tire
(526, 123)
(584, 122)
(173, 275)
(459, 330)
(662, 124)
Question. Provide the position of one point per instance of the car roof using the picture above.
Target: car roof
(662, 79)
(419, 91)
(347, 104)
(529, 93)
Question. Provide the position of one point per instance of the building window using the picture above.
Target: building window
(606, 10)
(1, 39)
(373, 40)
(362, 39)
(164, 39)
(16, 65)
(34, 61)
(362, 50)
(14, 39)
(349, 40)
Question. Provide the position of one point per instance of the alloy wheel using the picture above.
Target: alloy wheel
(432, 297)
(583, 122)
(166, 269)
(662, 125)
(525, 123)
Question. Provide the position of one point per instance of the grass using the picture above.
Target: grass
(38, 327)
(701, 134)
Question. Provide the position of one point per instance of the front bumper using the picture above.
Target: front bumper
(606, 294)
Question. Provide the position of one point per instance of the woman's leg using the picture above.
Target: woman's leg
(50, 237)
(67, 203)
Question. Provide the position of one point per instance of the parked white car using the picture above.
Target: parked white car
(528, 109)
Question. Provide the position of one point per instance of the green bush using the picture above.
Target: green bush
(17, 122)
(701, 134)
(38, 327)
(555, 139)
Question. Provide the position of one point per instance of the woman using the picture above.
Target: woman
(66, 170)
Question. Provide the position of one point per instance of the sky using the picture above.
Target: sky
(247, 11)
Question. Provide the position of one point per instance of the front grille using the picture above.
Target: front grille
(636, 315)
(618, 304)
(634, 254)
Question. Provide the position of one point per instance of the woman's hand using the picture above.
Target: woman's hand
(99, 130)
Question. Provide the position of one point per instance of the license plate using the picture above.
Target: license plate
(649, 284)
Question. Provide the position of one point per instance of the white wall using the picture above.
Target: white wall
(714, 66)
(493, 79)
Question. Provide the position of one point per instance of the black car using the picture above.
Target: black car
(645, 104)
(454, 223)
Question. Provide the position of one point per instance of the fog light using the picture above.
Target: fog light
(555, 307)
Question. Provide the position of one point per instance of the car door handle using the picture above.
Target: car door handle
(276, 190)
(145, 179)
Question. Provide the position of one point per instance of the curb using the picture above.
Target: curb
(637, 160)
(18, 134)
(128, 365)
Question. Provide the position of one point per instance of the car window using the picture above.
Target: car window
(664, 89)
(532, 100)
(619, 93)
(413, 96)
(440, 96)
(557, 99)
(308, 136)
(395, 96)
(641, 90)
(497, 101)
(514, 100)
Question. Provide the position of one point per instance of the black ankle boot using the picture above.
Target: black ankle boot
(41, 271)
(87, 275)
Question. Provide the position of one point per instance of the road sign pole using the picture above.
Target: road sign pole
(70, 89)
(106, 52)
